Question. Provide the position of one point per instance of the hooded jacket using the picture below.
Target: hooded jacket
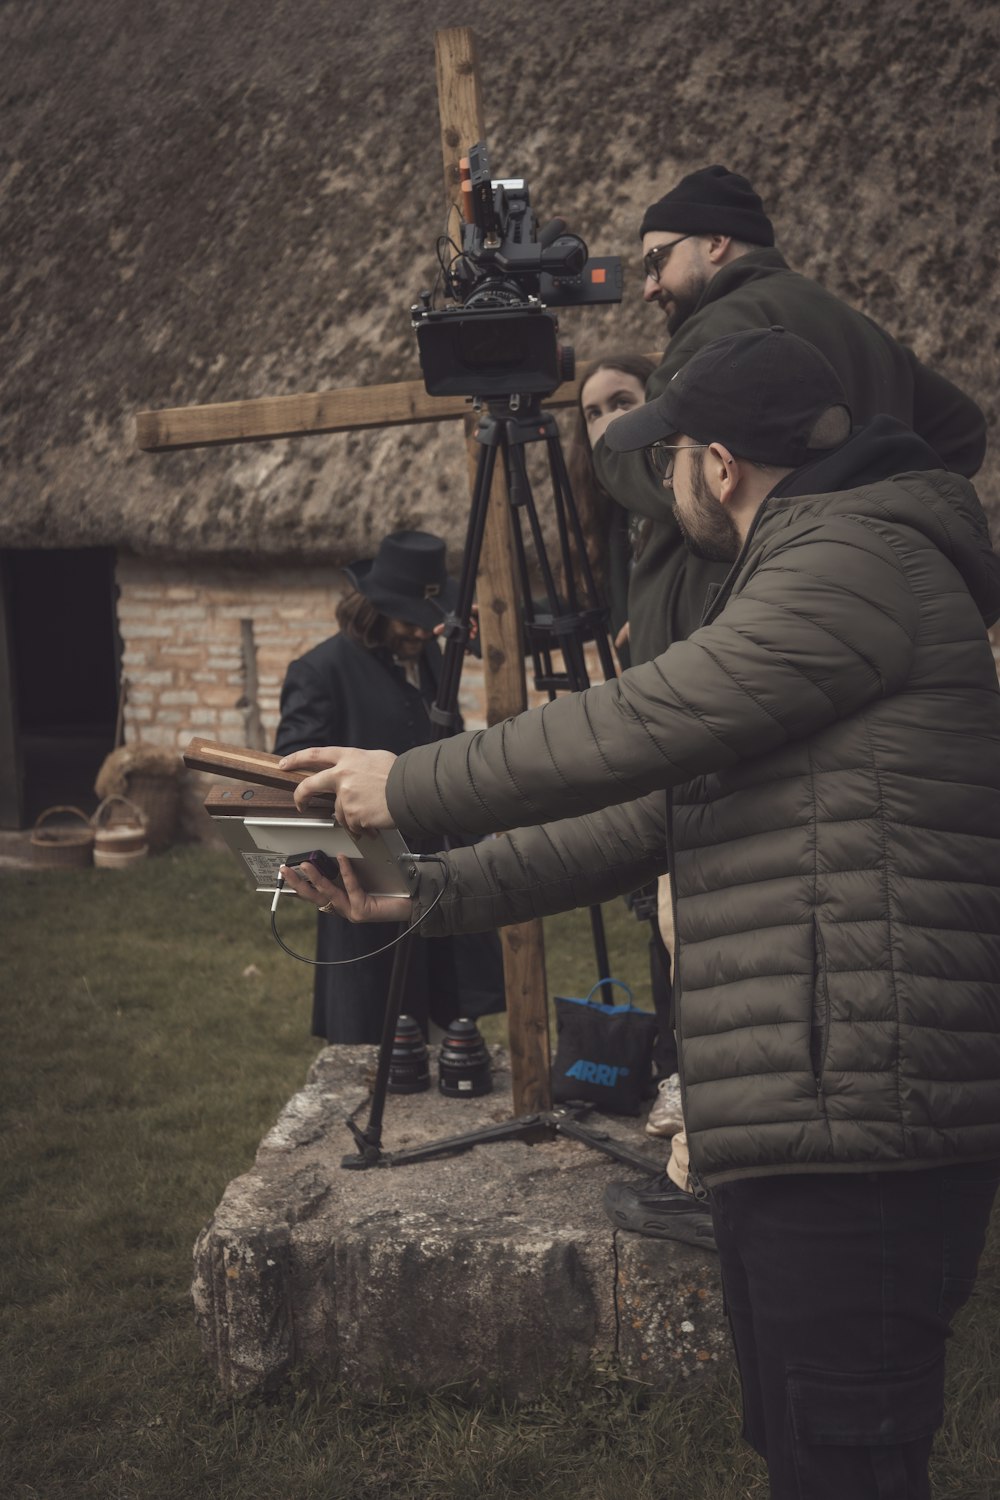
(830, 738)
(667, 587)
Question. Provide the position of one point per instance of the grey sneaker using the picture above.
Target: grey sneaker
(666, 1117)
(657, 1208)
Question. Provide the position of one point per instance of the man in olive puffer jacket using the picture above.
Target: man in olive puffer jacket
(829, 740)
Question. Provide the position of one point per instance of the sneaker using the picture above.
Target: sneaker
(659, 1209)
(665, 1117)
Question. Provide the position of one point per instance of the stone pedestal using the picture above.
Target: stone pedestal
(494, 1268)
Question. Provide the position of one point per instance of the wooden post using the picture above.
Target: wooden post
(500, 608)
(461, 111)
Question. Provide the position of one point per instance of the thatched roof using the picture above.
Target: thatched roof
(207, 202)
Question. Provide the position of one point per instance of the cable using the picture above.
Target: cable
(336, 963)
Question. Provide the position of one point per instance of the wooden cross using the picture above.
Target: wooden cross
(347, 410)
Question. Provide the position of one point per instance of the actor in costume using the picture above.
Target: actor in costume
(372, 685)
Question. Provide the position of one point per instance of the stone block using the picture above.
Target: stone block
(669, 1310)
(490, 1267)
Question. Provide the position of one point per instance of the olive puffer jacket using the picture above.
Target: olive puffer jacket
(831, 738)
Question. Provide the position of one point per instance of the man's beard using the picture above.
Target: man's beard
(709, 533)
(404, 646)
(685, 301)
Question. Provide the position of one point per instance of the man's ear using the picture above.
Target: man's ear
(724, 472)
(718, 246)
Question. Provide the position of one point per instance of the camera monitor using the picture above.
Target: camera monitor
(265, 843)
(261, 824)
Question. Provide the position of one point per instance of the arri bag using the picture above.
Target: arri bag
(604, 1053)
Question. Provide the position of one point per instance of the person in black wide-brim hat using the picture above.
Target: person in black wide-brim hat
(407, 579)
(371, 686)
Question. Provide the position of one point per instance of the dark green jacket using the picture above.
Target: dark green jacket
(831, 737)
(668, 587)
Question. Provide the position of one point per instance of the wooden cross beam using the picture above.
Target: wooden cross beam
(347, 410)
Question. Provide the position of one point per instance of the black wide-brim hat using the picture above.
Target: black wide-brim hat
(407, 579)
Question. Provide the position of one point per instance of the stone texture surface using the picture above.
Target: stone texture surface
(199, 204)
(494, 1267)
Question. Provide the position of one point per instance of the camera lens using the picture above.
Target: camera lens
(463, 1062)
(409, 1071)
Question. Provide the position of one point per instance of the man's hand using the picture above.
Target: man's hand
(439, 630)
(345, 896)
(356, 777)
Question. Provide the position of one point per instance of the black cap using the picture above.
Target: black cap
(760, 392)
(711, 201)
(406, 579)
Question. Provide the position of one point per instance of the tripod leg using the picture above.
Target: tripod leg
(369, 1140)
(601, 951)
(443, 713)
(569, 518)
(568, 641)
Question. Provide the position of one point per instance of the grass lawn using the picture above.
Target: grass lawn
(150, 1032)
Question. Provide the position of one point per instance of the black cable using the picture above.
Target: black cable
(336, 963)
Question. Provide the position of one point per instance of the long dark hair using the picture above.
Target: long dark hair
(360, 620)
(592, 503)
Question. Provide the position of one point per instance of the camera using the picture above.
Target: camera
(501, 339)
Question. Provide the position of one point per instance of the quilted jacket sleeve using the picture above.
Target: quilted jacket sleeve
(534, 872)
(823, 626)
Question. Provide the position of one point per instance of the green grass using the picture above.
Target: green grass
(149, 1033)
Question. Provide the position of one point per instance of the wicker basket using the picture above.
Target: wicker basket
(119, 834)
(62, 846)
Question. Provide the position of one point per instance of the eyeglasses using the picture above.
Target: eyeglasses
(654, 261)
(661, 456)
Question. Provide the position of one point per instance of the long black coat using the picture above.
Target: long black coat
(339, 693)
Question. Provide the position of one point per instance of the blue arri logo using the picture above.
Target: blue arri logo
(602, 1074)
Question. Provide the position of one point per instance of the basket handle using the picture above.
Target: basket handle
(140, 816)
(61, 809)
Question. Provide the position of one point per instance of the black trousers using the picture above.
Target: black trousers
(840, 1290)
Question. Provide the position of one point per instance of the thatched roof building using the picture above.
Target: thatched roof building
(200, 204)
(203, 203)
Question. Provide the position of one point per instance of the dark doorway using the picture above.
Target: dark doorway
(62, 671)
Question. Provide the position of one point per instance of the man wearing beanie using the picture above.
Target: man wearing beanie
(712, 269)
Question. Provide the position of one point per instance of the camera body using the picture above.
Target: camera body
(501, 339)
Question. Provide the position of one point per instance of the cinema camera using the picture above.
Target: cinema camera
(501, 339)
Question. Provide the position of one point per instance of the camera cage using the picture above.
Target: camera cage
(500, 338)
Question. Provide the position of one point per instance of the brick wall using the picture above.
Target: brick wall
(205, 648)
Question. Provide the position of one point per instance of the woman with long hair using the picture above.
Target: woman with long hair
(617, 383)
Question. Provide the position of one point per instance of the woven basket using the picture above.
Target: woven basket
(119, 834)
(62, 846)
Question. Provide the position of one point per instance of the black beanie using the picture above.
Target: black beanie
(711, 201)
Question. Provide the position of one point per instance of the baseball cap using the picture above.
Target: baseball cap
(760, 392)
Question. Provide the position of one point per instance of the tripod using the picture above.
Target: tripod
(507, 426)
